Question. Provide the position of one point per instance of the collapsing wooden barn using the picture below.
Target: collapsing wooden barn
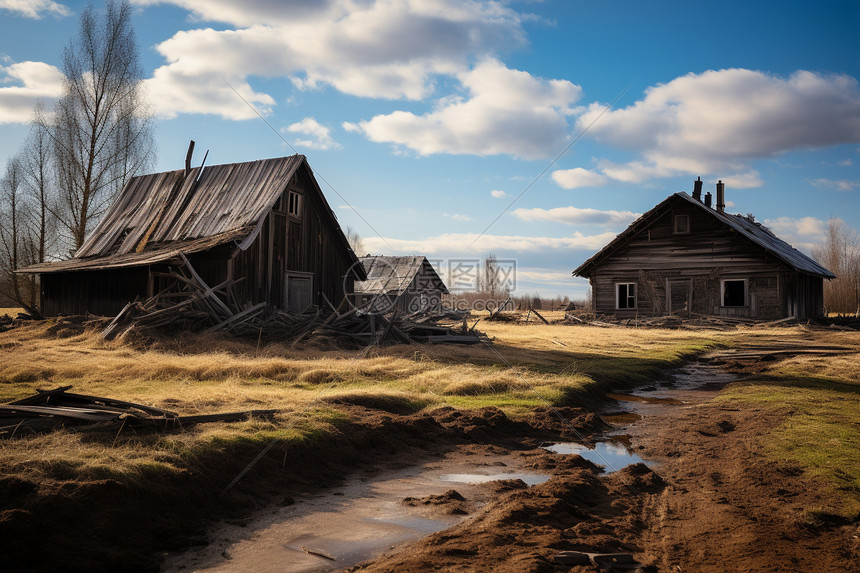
(410, 284)
(684, 257)
(264, 223)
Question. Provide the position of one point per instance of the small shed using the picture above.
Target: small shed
(264, 222)
(684, 257)
(410, 284)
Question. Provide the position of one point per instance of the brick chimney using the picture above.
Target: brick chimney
(708, 199)
(721, 196)
(697, 189)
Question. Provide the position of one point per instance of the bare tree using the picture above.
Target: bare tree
(36, 162)
(17, 249)
(355, 242)
(840, 253)
(100, 128)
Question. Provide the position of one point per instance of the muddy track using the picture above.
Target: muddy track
(713, 502)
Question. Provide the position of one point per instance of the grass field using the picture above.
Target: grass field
(529, 365)
(820, 400)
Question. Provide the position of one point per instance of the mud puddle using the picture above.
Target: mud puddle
(689, 385)
(612, 456)
(360, 520)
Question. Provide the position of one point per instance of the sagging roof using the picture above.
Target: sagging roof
(163, 254)
(754, 232)
(393, 275)
(162, 213)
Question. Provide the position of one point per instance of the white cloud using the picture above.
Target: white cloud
(845, 162)
(319, 136)
(718, 121)
(804, 233)
(498, 194)
(838, 184)
(578, 177)
(36, 9)
(577, 216)
(470, 243)
(748, 180)
(374, 48)
(38, 81)
(507, 112)
(457, 216)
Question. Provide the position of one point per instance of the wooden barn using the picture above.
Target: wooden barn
(265, 222)
(410, 284)
(684, 257)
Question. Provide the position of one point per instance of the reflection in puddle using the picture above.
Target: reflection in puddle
(611, 456)
(529, 479)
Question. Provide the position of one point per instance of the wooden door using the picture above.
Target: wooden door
(680, 297)
(298, 291)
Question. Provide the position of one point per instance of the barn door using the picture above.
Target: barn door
(298, 291)
(680, 297)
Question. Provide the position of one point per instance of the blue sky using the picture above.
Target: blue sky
(426, 119)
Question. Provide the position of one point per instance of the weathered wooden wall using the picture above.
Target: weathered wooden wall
(306, 244)
(101, 293)
(678, 273)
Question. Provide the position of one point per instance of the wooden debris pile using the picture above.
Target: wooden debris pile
(188, 303)
(58, 408)
(692, 322)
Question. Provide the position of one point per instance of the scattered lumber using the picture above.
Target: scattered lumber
(188, 303)
(58, 408)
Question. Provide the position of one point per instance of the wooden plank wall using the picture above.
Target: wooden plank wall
(102, 293)
(285, 243)
(709, 253)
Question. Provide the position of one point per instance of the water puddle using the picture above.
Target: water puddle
(611, 456)
(367, 517)
(529, 479)
(360, 520)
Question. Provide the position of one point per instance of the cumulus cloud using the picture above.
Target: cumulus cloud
(803, 234)
(36, 81)
(838, 184)
(462, 243)
(720, 120)
(577, 216)
(457, 216)
(498, 194)
(506, 112)
(318, 135)
(376, 48)
(578, 177)
(36, 9)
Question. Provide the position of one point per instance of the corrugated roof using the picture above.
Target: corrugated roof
(393, 275)
(750, 230)
(156, 216)
(156, 254)
(167, 206)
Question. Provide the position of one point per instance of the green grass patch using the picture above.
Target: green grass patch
(821, 430)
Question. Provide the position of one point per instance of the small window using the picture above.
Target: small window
(625, 295)
(734, 292)
(294, 203)
(682, 223)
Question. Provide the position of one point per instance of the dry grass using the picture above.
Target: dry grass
(529, 365)
(10, 310)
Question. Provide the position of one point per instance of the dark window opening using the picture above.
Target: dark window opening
(734, 293)
(682, 223)
(294, 203)
(626, 295)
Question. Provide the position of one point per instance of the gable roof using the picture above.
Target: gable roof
(749, 230)
(156, 216)
(393, 275)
